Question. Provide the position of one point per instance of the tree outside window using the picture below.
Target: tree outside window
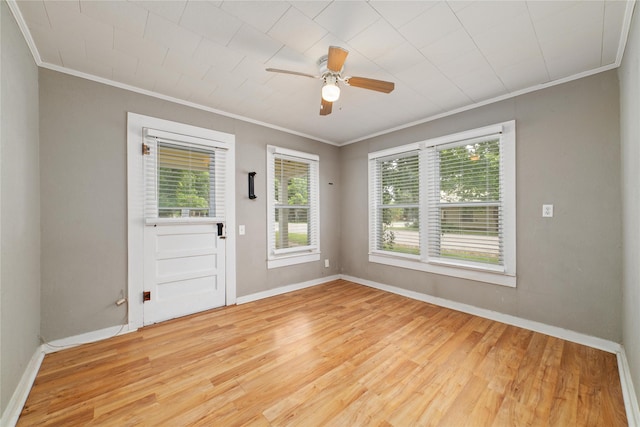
(291, 188)
(469, 202)
(399, 191)
(184, 182)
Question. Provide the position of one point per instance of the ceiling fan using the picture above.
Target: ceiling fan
(331, 67)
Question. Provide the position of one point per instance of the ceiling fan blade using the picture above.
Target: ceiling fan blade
(295, 73)
(371, 84)
(325, 107)
(337, 56)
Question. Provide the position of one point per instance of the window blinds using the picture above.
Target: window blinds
(396, 203)
(295, 210)
(465, 201)
(447, 205)
(184, 179)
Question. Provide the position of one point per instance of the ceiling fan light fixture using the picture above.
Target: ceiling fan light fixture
(330, 90)
(331, 67)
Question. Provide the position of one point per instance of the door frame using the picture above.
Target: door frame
(135, 208)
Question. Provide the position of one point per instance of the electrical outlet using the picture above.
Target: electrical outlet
(326, 263)
(241, 230)
(547, 211)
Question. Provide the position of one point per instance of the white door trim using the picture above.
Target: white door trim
(135, 207)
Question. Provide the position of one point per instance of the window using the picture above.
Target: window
(293, 209)
(184, 177)
(464, 201)
(397, 207)
(447, 205)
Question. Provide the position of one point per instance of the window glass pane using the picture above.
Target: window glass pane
(470, 173)
(471, 233)
(291, 182)
(469, 223)
(293, 207)
(398, 198)
(291, 227)
(400, 181)
(400, 230)
(185, 180)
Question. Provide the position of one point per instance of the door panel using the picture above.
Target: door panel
(184, 265)
(184, 242)
(184, 270)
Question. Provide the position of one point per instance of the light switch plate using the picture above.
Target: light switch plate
(241, 230)
(547, 211)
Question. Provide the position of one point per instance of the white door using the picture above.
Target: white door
(184, 242)
(184, 270)
(174, 251)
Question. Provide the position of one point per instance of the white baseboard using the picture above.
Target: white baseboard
(19, 398)
(554, 331)
(86, 338)
(628, 391)
(285, 289)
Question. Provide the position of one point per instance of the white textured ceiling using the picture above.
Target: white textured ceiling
(442, 55)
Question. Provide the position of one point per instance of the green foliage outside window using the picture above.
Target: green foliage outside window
(184, 181)
(292, 210)
(468, 174)
(180, 189)
(471, 174)
(399, 186)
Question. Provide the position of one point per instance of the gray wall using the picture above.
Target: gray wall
(20, 208)
(252, 274)
(84, 193)
(629, 74)
(568, 154)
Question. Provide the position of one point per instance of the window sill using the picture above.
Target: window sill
(463, 273)
(286, 260)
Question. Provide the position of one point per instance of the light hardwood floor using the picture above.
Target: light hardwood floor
(336, 354)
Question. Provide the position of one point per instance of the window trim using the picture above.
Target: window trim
(291, 256)
(503, 275)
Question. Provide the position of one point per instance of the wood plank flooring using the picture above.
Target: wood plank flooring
(337, 354)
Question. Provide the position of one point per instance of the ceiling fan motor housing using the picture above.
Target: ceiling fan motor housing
(325, 71)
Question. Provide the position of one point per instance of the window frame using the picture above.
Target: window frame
(297, 255)
(501, 275)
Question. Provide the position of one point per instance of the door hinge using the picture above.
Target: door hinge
(146, 150)
(146, 296)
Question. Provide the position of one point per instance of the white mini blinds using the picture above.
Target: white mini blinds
(465, 202)
(395, 202)
(293, 206)
(184, 177)
(447, 205)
